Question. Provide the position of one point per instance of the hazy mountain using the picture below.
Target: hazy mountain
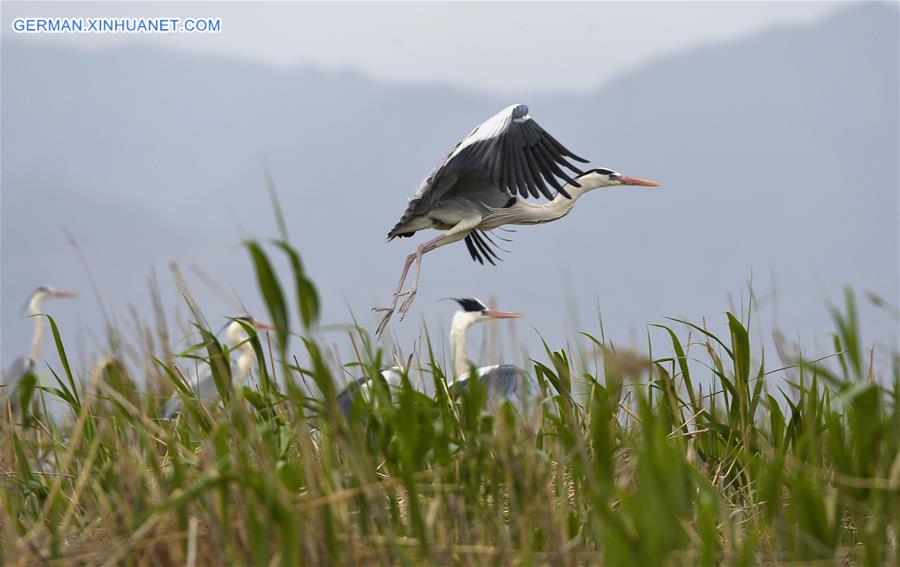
(777, 154)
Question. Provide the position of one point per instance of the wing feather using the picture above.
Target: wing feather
(510, 149)
(472, 251)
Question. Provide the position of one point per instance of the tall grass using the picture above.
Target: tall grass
(638, 461)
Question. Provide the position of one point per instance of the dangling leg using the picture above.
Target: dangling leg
(411, 293)
(458, 232)
(415, 256)
(409, 260)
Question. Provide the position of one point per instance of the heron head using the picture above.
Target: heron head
(476, 311)
(49, 292)
(237, 328)
(602, 177)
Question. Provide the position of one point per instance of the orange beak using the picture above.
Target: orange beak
(495, 314)
(63, 293)
(263, 326)
(635, 181)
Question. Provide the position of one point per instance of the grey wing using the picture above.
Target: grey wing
(503, 382)
(172, 407)
(348, 395)
(507, 382)
(11, 378)
(513, 151)
(204, 387)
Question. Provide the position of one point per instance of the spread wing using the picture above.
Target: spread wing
(513, 151)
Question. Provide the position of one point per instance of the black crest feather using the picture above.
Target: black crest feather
(470, 304)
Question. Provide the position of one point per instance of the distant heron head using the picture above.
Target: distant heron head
(474, 311)
(41, 293)
(236, 331)
(602, 177)
(48, 292)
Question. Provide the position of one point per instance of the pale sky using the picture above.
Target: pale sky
(498, 48)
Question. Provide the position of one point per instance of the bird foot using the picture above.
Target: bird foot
(389, 312)
(407, 303)
(393, 305)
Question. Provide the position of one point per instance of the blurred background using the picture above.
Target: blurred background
(772, 127)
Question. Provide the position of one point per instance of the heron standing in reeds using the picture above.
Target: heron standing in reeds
(25, 365)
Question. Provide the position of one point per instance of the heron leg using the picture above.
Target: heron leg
(389, 311)
(458, 232)
(411, 292)
(420, 251)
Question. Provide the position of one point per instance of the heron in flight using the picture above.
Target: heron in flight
(26, 364)
(482, 183)
(204, 385)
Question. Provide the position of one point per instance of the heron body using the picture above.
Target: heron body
(502, 383)
(482, 184)
(27, 363)
(362, 386)
(204, 384)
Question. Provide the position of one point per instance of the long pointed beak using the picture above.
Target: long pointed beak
(263, 326)
(495, 314)
(63, 293)
(635, 181)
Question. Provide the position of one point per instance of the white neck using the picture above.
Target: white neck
(560, 206)
(462, 320)
(245, 360)
(246, 356)
(34, 309)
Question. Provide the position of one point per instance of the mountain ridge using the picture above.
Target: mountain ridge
(184, 140)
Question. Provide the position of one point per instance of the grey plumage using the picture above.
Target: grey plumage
(350, 393)
(507, 155)
(203, 383)
(171, 408)
(481, 185)
(11, 378)
(26, 364)
(360, 387)
(203, 387)
(503, 383)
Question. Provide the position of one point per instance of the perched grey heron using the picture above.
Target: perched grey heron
(504, 382)
(481, 184)
(203, 384)
(26, 364)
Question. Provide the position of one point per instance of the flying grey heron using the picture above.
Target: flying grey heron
(481, 184)
(203, 384)
(26, 364)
